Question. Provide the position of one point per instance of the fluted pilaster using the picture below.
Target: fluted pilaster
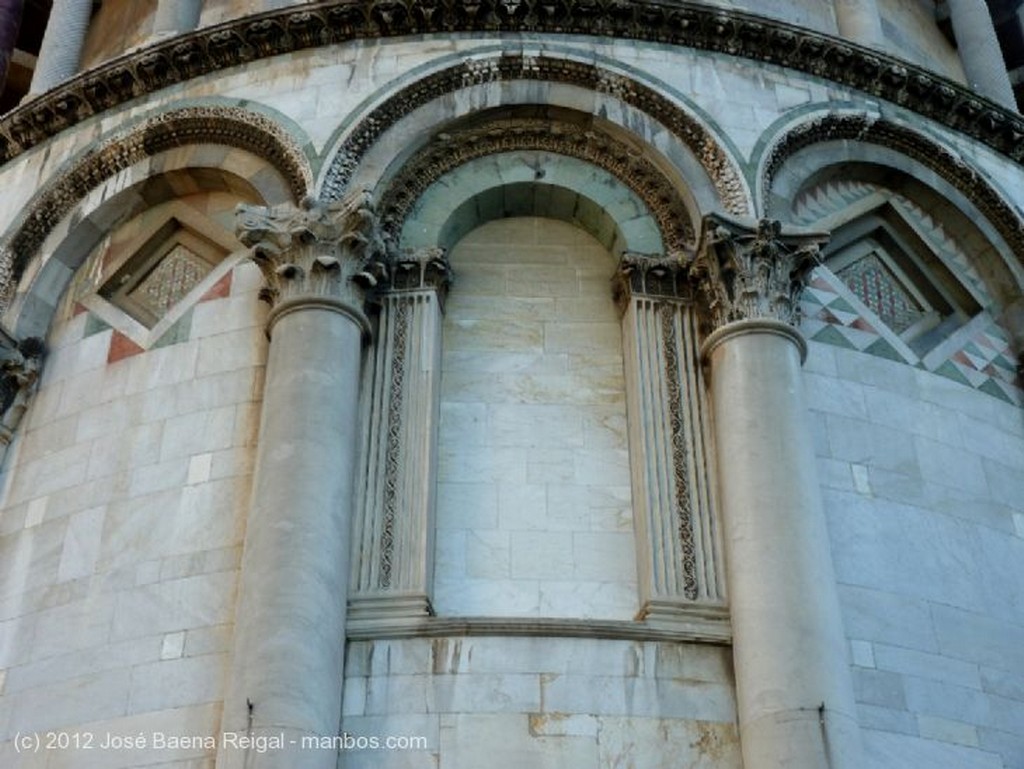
(393, 572)
(677, 541)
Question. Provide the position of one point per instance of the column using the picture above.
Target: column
(394, 572)
(859, 22)
(175, 17)
(10, 24)
(979, 51)
(794, 693)
(62, 44)
(678, 551)
(286, 677)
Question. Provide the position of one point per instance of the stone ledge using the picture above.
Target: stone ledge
(706, 624)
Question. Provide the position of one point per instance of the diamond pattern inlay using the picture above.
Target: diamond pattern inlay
(169, 282)
(880, 290)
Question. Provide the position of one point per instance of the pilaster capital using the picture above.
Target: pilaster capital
(752, 271)
(650, 275)
(322, 254)
(420, 269)
(19, 371)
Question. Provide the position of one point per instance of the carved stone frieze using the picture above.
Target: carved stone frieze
(751, 273)
(452, 149)
(229, 126)
(695, 25)
(317, 251)
(654, 276)
(19, 372)
(726, 177)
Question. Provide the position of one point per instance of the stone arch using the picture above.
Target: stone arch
(926, 231)
(832, 144)
(526, 167)
(704, 174)
(198, 147)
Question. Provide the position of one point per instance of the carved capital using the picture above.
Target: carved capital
(651, 276)
(323, 253)
(419, 269)
(752, 272)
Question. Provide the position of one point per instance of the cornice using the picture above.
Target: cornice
(688, 24)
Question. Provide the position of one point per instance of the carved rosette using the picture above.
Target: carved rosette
(746, 273)
(326, 254)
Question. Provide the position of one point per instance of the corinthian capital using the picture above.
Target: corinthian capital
(745, 272)
(318, 252)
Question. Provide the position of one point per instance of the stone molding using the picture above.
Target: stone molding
(697, 624)
(693, 25)
(230, 126)
(724, 174)
(325, 254)
(454, 148)
(746, 272)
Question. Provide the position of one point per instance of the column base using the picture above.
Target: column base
(387, 607)
(682, 617)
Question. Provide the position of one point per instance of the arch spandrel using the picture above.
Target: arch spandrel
(192, 148)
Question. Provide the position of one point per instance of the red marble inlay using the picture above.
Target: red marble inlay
(218, 290)
(121, 347)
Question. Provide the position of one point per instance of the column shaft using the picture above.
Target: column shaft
(793, 685)
(287, 669)
(979, 51)
(62, 44)
(290, 634)
(795, 701)
(858, 20)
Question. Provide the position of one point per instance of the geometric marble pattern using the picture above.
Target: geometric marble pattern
(875, 285)
(169, 282)
(986, 363)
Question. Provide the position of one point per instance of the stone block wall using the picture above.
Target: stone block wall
(507, 703)
(125, 496)
(534, 515)
(923, 480)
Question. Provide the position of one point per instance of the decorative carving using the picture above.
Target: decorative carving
(393, 447)
(450, 150)
(744, 273)
(8, 285)
(691, 24)
(416, 269)
(229, 126)
(19, 371)
(726, 177)
(330, 251)
(680, 460)
(655, 276)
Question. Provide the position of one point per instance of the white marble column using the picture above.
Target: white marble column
(175, 17)
(62, 44)
(979, 51)
(793, 685)
(678, 545)
(286, 677)
(859, 21)
(393, 568)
